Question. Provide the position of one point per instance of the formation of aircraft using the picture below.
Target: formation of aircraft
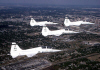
(46, 31)
(67, 22)
(42, 23)
(17, 51)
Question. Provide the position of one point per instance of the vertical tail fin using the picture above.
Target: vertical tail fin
(46, 47)
(32, 22)
(67, 21)
(15, 50)
(45, 31)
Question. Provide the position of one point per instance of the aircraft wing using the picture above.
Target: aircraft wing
(50, 50)
(50, 23)
(87, 23)
(68, 32)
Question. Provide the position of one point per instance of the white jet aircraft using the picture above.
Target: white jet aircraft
(42, 23)
(46, 32)
(17, 51)
(67, 22)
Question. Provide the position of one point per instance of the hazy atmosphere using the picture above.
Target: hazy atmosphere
(53, 2)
